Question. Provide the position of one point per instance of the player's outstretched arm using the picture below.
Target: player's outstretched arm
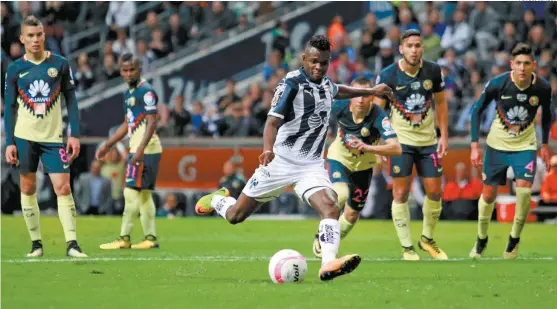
(487, 96)
(547, 120)
(442, 114)
(391, 147)
(119, 135)
(347, 92)
(269, 136)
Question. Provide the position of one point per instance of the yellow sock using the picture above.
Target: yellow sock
(485, 211)
(401, 219)
(147, 211)
(522, 209)
(345, 226)
(131, 209)
(31, 214)
(66, 213)
(431, 211)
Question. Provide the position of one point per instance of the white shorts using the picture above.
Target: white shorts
(268, 182)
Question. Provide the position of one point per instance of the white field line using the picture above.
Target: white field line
(233, 259)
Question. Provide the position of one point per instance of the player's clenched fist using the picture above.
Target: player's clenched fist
(101, 152)
(266, 157)
(11, 154)
(475, 156)
(383, 90)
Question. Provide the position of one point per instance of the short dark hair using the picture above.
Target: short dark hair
(126, 57)
(410, 32)
(522, 49)
(32, 21)
(361, 80)
(319, 42)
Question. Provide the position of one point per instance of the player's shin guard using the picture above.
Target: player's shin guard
(485, 210)
(221, 204)
(131, 209)
(522, 209)
(431, 211)
(147, 211)
(66, 213)
(401, 219)
(31, 214)
(329, 238)
(345, 226)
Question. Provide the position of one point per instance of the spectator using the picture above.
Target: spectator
(123, 44)
(508, 38)
(92, 191)
(146, 57)
(114, 169)
(16, 51)
(231, 179)
(96, 13)
(211, 123)
(164, 120)
(538, 41)
(219, 19)
(243, 24)
(406, 22)
(377, 32)
(177, 34)
(281, 38)
(51, 43)
(109, 70)
(463, 186)
(458, 35)
(369, 47)
(361, 71)
(197, 116)
(84, 76)
(385, 57)
(336, 30)
(528, 21)
(180, 117)
(394, 36)
(549, 187)
(152, 24)
(120, 15)
(343, 68)
(435, 21)
(158, 45)
(484, 22)
(431, 43)
(168, 210)
(238, 122)
(229, 97)
(274, 62)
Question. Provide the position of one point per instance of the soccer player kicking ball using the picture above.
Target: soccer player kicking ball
(294, 140)
(417, 83)
(140, 122)
(511, 141)
(353, 154)
(36, 83)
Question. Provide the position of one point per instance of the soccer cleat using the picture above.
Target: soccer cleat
(431, 247)
(479, 248)
(74, 250)
(204, 207)
(339, 267)
(409, 254)
(316, 246)
(150, 242)
(120, 243)
(36, 249)
(511, 252)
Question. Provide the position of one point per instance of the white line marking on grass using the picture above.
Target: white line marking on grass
(235, 259)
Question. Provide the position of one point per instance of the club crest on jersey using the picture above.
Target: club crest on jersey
(365, 132)
(428, 84)
(52, 72)
(534, 101)
(149, 98)
(278, 93)
(131, 101)
(336, 175)
(415, 85)
(521, 97)
(396, 169)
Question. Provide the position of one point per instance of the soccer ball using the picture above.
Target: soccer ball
(287, 266)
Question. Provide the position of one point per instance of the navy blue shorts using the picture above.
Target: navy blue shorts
(428, 164)
(496, 163)
(358, 183)
(143, 176)
(52, 155)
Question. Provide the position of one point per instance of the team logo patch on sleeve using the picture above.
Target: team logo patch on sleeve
(387, 126)
(278, 93)
(534, 101)
(149, 98)
(52, 72)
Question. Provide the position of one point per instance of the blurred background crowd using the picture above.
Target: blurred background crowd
(469, 40)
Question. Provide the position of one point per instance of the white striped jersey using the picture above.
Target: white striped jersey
(305, 108)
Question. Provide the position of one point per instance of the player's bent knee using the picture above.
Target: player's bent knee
(63, 189)
(400, 196)
(330, 211)
(28, 185)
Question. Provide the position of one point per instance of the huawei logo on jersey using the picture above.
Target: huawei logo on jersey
(515, 120)
(39, 87)
(517, 114)
(414, 110)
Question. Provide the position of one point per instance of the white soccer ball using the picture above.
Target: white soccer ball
(288, 266)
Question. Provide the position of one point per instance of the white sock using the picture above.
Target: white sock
(329, 238)
(221, 204)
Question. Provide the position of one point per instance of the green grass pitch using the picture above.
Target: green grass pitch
(207, 263)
